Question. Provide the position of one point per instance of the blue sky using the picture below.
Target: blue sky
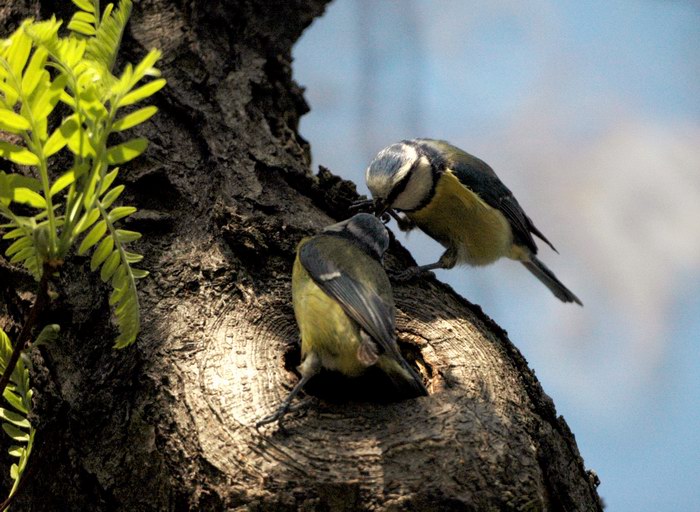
(590, 112)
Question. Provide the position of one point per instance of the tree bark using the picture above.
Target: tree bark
(225, 193)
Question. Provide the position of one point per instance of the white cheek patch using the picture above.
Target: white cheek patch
(418, 187)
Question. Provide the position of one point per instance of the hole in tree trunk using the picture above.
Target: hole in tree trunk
(372, 386)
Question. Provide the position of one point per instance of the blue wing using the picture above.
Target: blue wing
(350, 276)
(480, 178)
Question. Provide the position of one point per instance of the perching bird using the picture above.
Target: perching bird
(345, 309)
(459, 201)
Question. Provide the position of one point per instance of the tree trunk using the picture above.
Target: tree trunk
(225, 193)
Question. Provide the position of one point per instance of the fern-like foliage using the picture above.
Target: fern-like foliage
(22, 231)
(107, 30)
(112, 258)
(74, 205)
(48, 210)
(14, 412)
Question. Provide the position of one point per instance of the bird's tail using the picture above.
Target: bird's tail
(407, 381)
(547, 277)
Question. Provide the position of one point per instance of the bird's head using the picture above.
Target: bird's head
(400, 177)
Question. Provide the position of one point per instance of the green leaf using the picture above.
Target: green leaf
(16, 434)
(79, 143)
(110, 266)
(29, 197)
(73, 51)
(9, 183)
(44, 104)
(15, 233)
(17, 154)
(120, 212)
(48, 334)
(44, 33)
(126, 151)
(18, 245)
(20, 189)
(15, 400)
(60, 136)
(125, 236)
(108, 180)
(86, 17)
(118, 294)
(33, 73)
(135, 118)
(87, 220)
(16, 451)
(20, 46)
(142, 92)
(93, 237)
(128, 319)
(85, 5)
(102, 48)
(132, 257)
(10, 93)
(23, 254)
(111, 196)
(68, 99)
(108, 10)
(102, 252)
(145, 67)
(62, 182)
(138, 273)
(81, 27)
(16, 419)
(13, 123)
(90, 100)
(120, 277)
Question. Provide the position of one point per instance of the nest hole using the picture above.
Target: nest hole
(372, 386)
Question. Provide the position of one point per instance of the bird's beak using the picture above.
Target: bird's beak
(363, 205)
(380, 211)
(380, 207)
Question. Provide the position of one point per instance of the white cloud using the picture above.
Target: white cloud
(624, 208)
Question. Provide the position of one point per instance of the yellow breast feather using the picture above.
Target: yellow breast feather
(324, 326)
(458, 218)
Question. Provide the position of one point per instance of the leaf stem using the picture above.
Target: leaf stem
(22, 481)
(40, 303)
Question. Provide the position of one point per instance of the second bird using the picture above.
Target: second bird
(345, 308)
(459, 201)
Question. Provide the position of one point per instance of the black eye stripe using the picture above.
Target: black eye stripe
(401, 185)
(437, 166)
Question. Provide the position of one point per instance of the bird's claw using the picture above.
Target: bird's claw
(403, 222)
(271, 418)
(281, 412)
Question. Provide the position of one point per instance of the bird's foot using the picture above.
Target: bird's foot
(281, 412)
(275, 416)
(402, 221)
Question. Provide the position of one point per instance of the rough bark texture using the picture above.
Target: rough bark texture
(225, 193)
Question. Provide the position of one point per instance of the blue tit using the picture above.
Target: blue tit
(459, 201)
(344, 307)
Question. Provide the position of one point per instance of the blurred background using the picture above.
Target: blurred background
(590, 113)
